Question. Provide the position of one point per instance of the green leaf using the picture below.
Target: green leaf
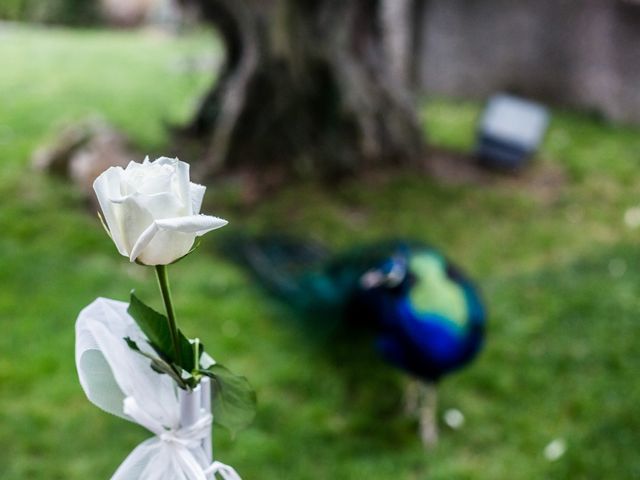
(156, 327)
(158, 365)
(233, 400)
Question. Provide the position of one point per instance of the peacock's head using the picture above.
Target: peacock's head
(392, 274)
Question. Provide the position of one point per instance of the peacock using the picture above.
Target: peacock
(426, 316)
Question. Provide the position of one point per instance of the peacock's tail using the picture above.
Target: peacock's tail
(303, 273)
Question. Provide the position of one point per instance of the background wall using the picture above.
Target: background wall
(581, 53)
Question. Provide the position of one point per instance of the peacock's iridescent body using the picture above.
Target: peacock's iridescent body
(430, 320)
(427, 317)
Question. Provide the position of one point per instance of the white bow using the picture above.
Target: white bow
(121, 382)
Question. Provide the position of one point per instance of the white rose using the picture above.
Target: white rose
(152, 210)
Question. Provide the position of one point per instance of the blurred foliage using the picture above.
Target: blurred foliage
(557, 263)
(64, 12)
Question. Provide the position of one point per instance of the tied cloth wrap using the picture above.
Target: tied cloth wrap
(121, 382)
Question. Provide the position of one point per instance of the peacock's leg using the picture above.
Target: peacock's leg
(428, 414)
(412, 397)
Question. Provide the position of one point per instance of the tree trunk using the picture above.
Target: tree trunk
(310, 87)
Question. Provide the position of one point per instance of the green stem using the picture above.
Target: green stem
(163, 282)
(196, 360)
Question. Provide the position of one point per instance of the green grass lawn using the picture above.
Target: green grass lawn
(557, 263)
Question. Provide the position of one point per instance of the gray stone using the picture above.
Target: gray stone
(83, 151)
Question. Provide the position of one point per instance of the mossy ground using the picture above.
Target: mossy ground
(559, 268)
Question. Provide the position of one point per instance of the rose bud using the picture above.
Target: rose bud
(152, 210)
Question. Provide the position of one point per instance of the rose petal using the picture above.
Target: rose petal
(165, 161)
(134, 219)
(197, 194)
(106, 186)
(194, 224)
(181, 182)
(161, 205)
(166, 247)
(143, 240)
(198, 224)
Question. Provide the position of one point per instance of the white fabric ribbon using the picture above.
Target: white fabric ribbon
(225, 471)
(121, 382)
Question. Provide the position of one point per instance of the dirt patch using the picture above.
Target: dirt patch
(541, 179)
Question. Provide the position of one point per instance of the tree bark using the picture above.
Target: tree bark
(310, 87)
